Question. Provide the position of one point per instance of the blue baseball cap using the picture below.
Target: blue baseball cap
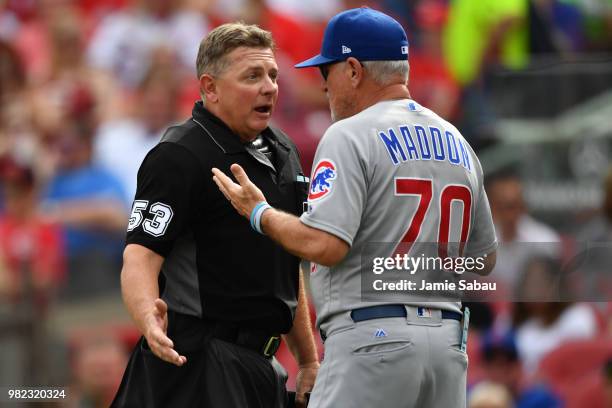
(362, 33)
(494, 343)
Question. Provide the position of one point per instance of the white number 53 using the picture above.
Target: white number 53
(158, 224)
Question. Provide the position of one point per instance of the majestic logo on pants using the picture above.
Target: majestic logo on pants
(322, 179)
(380, 333)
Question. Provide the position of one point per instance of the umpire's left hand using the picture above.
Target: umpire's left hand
(243, 196)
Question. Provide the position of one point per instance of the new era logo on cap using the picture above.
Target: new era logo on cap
(404, 49)
(346, 50)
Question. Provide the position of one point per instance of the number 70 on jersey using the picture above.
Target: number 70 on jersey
(423, 189)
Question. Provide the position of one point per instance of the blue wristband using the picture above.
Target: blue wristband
(254, 211)
(259, 215)
(255, 217)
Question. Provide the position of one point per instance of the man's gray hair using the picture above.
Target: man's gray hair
(385, 72)
(223, 40)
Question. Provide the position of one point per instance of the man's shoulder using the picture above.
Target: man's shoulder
(192, 136)
(180, 133)
(175, 150)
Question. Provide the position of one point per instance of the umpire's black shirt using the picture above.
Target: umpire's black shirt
(216, 266)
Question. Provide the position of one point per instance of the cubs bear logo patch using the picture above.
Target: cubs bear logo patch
(321, 182)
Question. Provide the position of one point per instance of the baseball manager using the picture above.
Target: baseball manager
(388, 170)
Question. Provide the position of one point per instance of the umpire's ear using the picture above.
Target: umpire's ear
(208, 88)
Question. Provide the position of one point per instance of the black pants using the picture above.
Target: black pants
(218, 374)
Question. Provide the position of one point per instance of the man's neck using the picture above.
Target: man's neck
(380, 94)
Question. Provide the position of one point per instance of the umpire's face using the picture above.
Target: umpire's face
(245, 93)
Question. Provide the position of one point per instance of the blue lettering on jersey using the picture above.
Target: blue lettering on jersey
(393, 146)
(436, 142)
(465, 155)
(423, 142)
(453, 153)
(410, 147)
(401, 152)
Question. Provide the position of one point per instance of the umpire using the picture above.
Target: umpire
(210, 295)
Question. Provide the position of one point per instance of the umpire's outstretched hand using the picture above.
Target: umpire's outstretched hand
(243, 196)
(160, 344)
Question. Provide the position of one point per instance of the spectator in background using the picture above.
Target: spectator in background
(31, 272)
(431, 83)
(501, 365)
(485, 32)
(595, 241)
(22, 25)
(607, 376)
(520, 236)
(480, 35)
(600, 228)
(598, 24)
(12, 76)
(555, 27)
(402, 11)
(314, 10)
(593, 390)
(87, 201)
(124, 41)
(547, 319)
(66, 72)
(17, 135)
(489, 395)
(98, 363)
(121, 145)
(31, 249)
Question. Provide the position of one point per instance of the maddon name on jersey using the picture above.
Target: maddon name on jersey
(424, 144)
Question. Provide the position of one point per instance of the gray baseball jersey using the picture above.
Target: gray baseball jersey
(395, 172)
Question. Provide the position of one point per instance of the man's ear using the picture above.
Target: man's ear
(208, 88)
(356, 71)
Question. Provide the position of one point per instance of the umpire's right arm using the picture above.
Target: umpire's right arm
(140, 290)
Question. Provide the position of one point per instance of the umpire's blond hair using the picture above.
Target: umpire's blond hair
(223, 40)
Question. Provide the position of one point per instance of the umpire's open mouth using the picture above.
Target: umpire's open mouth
(264, 108)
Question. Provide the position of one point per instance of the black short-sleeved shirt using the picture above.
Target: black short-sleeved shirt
(215, 265)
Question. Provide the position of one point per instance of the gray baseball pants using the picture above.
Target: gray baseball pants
(398, 362)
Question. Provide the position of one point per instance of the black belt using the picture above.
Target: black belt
(190, 332)
(255, 340)
(383, 311)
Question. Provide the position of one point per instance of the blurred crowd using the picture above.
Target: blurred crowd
(87, 87)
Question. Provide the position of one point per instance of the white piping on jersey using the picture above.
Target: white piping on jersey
(209, 134)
